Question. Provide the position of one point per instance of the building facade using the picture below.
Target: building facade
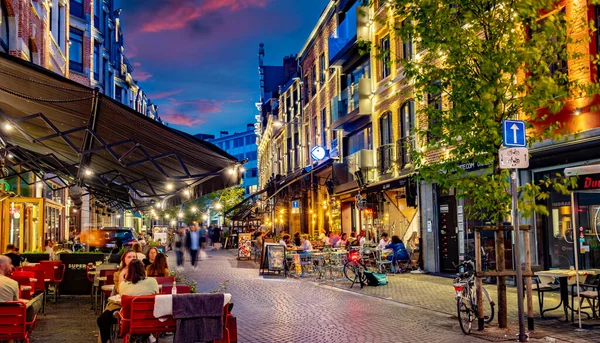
(81, 40)
(242, 145)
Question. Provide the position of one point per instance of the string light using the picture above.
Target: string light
(194, 209)
(7, 127)
(169, 186)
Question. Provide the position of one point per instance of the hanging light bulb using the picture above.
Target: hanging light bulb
(218, 206)
(180, 214)
(231, 171)
(204, 217)
(169, 186)
(7, 127)
(187, 193)
(194, 209)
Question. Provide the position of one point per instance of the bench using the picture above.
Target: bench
(136, 317)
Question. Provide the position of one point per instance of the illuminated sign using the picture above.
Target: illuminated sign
(317, 153)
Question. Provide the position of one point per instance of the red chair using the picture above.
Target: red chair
(165, 279)
(57, 271)
(106, 286)
(52, 274)
(13, 321)
(167, 289)
(88, 268)
(137, 318)
(24, 282)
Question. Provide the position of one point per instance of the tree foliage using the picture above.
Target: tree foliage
(228, 198)
(490, 60)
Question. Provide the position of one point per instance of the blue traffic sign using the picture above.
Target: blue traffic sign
(513, 133)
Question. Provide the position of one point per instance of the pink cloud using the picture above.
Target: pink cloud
(177, 14)
(141, 75)
(166, 94)
(193, 112)
(182, 119)
(136, 64)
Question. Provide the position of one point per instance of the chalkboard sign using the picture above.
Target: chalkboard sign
(273, 258)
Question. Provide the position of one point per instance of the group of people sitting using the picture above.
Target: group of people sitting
(135, 277)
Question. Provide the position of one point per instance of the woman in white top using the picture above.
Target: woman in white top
(342, 242)
(306, 245)
(385, 240)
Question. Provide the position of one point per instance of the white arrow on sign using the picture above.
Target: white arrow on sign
(514, 129)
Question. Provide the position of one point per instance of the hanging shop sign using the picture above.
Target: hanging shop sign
(318, 153)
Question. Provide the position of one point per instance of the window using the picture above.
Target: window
(407, 49)
(226, 145)
(97, 9)
(250, 140)
(385, 56)
(76, 8)
(59, 33)
(385, 152)
(358, 140)
(251, 156)
(386, 135)
(324, 128)
(323, 68)
(76, 50)
(434, 101)
(314, 81)
(407, 124)
(238, 142)
(4, 31)
(305, 89)
(96, 61)
(254, 172)
(119, 94)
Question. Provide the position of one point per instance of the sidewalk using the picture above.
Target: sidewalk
(436, 293)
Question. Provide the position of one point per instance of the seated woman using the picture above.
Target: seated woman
(297, 240)
(150, 256)
(136, 283)
(306, 245)
(160, 266)
(400, 253)
(342, 242)
(137, 247)
(385, 240)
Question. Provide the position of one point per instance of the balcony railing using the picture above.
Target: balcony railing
(385, 159)
(405, 147)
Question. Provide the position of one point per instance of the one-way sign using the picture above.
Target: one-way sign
(513, 133)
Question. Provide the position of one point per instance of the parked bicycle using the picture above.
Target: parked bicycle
(466, 302)
(354, 269)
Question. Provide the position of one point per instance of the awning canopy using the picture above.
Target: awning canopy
(101, 144)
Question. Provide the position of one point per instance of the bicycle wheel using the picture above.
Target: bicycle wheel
(488, 307)
(465, 315)
(352, 271)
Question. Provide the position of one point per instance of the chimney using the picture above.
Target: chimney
(223, 134)
(249, 127)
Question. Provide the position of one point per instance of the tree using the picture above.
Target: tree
(227, 198)
(480, 62)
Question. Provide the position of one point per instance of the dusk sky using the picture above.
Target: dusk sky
(197, 59)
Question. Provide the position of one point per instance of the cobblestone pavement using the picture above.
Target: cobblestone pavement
(277, 309)
(412, 308)
(436, 293)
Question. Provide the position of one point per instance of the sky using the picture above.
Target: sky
(198, 59)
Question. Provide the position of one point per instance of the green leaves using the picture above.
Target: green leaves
(491, 60)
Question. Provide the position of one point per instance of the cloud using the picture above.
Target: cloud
(176, 14)
(166, 94)
(141, 75)
(136, 64)
(182, 119)
(191, 112)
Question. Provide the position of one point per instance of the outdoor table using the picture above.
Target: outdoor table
(563, 276)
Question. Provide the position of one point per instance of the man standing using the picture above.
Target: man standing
(12, 253)
(192, 242)
(179, 247)
(9, 288)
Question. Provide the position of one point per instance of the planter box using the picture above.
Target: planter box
(36, 258)
(75, 280)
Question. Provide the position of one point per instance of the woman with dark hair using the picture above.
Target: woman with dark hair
(137, 247)
(400, 253)
(160, 266)
(136, 283)
(150, 256)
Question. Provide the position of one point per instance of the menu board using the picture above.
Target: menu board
(273, 257)
(245, 246)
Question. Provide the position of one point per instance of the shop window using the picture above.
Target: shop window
(4, 29)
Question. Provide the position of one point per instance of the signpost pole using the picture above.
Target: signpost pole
(515, 211)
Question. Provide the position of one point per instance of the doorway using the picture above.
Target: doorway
(447, 233)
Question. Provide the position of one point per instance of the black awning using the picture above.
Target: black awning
(52, 115)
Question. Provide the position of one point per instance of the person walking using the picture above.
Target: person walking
(192, 243)
(203, 235)
(179, 247)
(216, 238)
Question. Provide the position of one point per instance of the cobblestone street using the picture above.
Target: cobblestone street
(275, 309)
(412, 308)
